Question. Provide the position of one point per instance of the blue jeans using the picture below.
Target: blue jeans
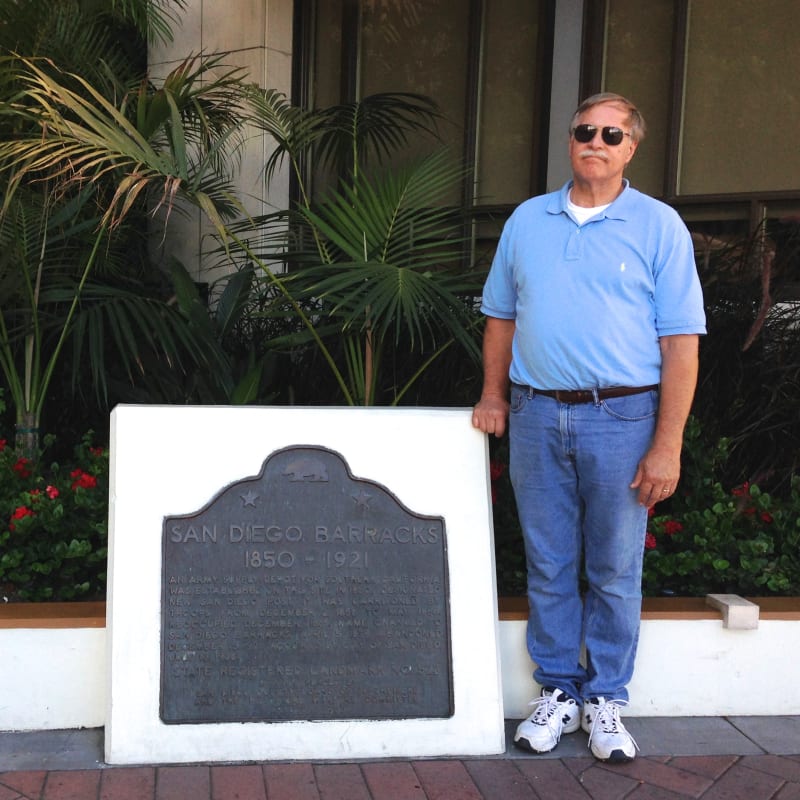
(571, 467)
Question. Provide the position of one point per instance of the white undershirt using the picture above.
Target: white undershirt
(583, 214)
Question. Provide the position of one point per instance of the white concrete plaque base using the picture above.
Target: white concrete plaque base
(168, 460)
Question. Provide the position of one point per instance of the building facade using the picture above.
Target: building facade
(715, 79)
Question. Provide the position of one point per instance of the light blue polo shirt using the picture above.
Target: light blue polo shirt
(591, 301)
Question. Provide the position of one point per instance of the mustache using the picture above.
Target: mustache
(589, 153)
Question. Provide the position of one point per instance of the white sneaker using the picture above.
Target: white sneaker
(608, 739)
(554, 713)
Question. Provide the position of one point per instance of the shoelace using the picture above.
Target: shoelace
(545, 708)
(607, 720)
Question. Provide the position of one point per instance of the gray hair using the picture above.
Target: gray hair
(635, 118)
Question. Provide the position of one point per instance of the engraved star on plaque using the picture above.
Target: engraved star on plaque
(362, 500)
(249, 499)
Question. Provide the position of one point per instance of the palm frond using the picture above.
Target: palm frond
(377, 125)
(342, 136)
(130, 328)
(37, 236)
(294, 129)
(394, 216)
(399, 303)
(201, 99)
(83, 137)
(233, 300)
(79, 37)
(395, 272)
(152, 18)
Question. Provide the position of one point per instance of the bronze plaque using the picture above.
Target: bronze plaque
(304, 593)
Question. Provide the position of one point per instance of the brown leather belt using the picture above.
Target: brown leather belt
(588, 395)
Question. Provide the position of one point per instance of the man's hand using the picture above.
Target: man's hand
(657, 475)
(490, 415)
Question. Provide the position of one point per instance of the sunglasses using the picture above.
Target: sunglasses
(611, 134)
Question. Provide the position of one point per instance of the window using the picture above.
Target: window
(717, 83)
(741, 97)
(482, 62)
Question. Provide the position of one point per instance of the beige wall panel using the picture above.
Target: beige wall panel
(187, 37)
(279, 25)
(234, 25)
(257, 35)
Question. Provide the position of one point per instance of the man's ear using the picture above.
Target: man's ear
(632, 145)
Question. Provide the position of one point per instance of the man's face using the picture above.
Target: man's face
(597, 161)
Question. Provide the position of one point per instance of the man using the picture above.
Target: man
(594, 310)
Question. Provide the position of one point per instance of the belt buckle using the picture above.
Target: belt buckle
(574, 396)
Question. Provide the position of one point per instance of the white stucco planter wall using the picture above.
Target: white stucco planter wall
(52, 666)
(54, 678)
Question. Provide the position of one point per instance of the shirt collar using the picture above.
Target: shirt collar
(617, 210)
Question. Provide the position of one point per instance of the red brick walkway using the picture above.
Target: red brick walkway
(757, 777)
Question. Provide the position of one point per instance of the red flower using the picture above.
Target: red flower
(651, 512)
(2, 445)
(766, 517)
(19, 513)
(97, 451)
(52, 492)
(672, 526)
(749, 511)
(82, 479)
(741, 491)
(650, 542)
(23, 467)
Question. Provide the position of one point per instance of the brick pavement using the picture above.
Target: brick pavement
(754, 777)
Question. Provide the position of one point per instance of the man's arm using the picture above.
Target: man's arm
(659, 470)
(491, 412)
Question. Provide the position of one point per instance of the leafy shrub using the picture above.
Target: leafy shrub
(53, 524)
(711, 539)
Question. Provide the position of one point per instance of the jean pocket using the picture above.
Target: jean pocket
(632, 407)
(518, 399)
